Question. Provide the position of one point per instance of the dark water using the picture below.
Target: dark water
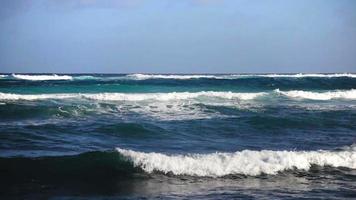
(178, 136)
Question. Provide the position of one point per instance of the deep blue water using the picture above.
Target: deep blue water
(269, 136)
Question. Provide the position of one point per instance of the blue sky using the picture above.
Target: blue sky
(177, 36)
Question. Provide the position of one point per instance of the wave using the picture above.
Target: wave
(171, 96)
(31, 97)
(337, 94)
(235, 76)
(42, 77)
(134, 96)
(300, 75)
(172, 76)
(96, 165)
(246, 162)
(86, 77)
(162, 106)
(124, 162)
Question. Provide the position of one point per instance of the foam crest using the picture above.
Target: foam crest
(135, 96)
(42, 77)
(236, 76)
(300, 75)
(32, 97)
(245, 162)
(175, 76)
(86, 77)
(173, 96)
(172, 76)
(337, 94)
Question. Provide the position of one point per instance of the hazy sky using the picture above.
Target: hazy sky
(177, 36)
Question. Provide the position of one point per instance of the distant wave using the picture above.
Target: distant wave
(245, 162)
(337, 94)
(161, 76)
(300, 75)
(139, 77)
(134, 96)
(234, 76)
(42, 77)
(85, 77)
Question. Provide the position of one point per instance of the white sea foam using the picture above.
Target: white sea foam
(85, 77)
(234, 76)
(42, 77)
(175, 76)
(32, 97)
(245, 162)
(163, 106)
(173, 96)
(337, 94)
(168, 76)
(300, 75)
(135, 96)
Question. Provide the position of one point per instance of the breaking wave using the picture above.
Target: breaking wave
(337, 94)
(161, 76)
(134, 96)
(235, 76)
(124, 162)
(295, 94)
(86, 77)
(42, 77)
(33, 77)
(300, 75)
(246, 162)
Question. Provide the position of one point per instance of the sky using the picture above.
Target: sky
(177, 36)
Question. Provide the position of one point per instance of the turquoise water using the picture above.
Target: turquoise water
(275, 136)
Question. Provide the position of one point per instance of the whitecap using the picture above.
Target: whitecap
(85, 77)
(135, 96)
(234, 76)
(328, 95)
(246, 162)
(301, 75)
(42, 77)
(168, 76)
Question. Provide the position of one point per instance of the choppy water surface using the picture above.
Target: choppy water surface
(272, 136)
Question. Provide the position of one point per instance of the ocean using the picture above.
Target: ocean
(178, 136)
